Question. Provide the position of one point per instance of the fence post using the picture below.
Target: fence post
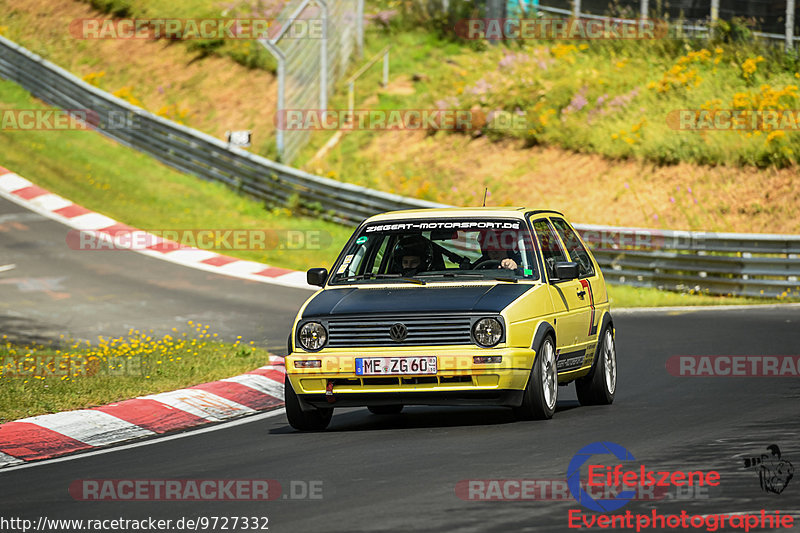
(323, 57)
(576, 9)
(789, 25)
(714, 16)
(385, 69)
(644, 9)
(278, 54)
(360, 27)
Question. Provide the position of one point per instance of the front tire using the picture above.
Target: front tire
(600, 386)
(316, 419)
(541, 392)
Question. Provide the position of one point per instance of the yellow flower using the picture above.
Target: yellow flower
(777, 134)
(718, 50)
(563, 51)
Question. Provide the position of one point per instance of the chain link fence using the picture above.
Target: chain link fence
(314, 43)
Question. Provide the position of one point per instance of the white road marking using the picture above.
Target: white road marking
(243, 267)
(259, 383)
(12, 182)
(6, 460)
(51, 202)
(95, 428)
(191, 256)
(91, 221)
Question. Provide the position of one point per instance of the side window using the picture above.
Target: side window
(575, 248)
(552, 252)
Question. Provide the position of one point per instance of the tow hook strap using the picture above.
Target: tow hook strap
(329, 392)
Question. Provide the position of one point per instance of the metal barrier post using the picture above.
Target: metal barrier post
(323, 57)
(281, 58)
(385, 69)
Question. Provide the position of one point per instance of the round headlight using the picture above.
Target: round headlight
(312, 336)
(487, 332)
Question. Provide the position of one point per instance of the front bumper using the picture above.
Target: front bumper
(458, 381)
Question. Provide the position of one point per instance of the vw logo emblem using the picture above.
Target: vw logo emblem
(398, 332)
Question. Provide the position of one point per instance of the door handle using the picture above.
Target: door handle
(581, 294)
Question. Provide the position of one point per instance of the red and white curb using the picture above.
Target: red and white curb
(54, 435)
(23, 192)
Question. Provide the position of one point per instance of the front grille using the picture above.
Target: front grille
(422, 331)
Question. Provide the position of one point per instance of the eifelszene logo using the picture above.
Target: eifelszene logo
(601, 475)
(774, 472)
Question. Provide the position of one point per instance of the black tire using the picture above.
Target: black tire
(541, 392)
(385, 409)
(600, 385)
(315, 420)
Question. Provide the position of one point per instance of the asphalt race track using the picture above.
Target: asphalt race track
(397, 473)
(86, 293)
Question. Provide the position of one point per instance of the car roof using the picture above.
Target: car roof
(460, 212)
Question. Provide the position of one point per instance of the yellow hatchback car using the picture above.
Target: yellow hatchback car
(462, 306)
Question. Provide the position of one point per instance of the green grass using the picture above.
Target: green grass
(245, 52)
(97, 173)
(626, 296)
(36, 380)
(618, 99)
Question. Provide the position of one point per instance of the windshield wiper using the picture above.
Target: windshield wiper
(381, 276)
(509, 280)
(468, 274)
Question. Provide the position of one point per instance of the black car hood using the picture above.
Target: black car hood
(471, 298)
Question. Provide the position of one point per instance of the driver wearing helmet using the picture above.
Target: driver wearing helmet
(412, 255)
(498, 250)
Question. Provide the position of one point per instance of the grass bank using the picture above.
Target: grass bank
(36, 380)
(133, 188)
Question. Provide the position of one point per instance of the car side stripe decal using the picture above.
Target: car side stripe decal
(588, 286)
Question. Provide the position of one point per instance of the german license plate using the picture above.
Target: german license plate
(382, 366)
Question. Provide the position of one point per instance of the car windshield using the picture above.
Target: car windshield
(421, 251)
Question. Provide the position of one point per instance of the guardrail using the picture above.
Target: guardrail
(717, 263)
(195, 152)
(744, 264)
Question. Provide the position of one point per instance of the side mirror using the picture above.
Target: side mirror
(566, 271)
(317, 276)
